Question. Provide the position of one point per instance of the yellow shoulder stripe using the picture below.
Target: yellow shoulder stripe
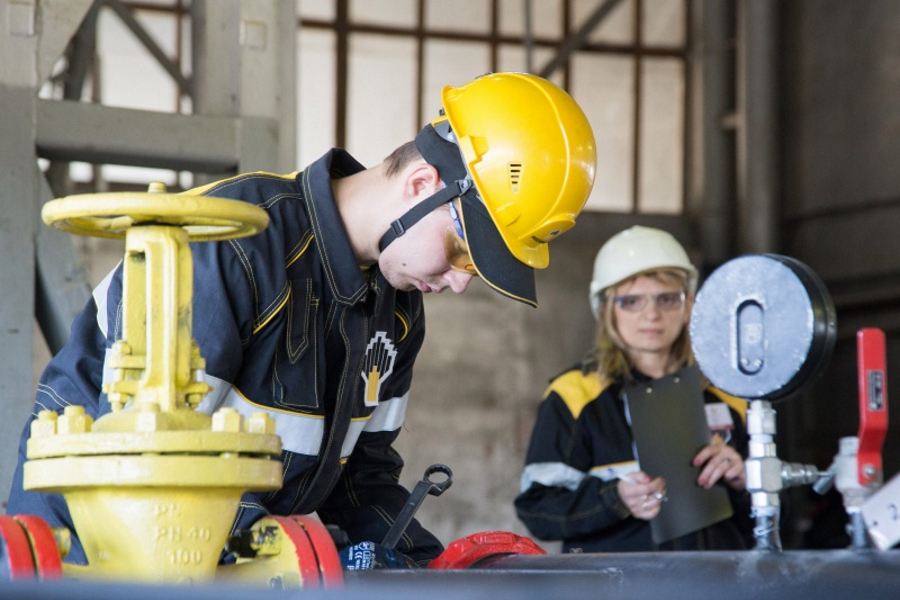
(738, 404)
(577, 389)
(203, 189)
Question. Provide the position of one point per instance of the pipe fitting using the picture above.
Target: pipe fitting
(799, 474)
(763, 474)
(761, 419)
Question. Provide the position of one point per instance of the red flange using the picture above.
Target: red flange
(317, 558)
(306, 557)
(18, 564)
(470, 550)
(43, 545)
(330, 570)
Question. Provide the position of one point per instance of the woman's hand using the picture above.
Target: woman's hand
(644, 497)
(720, 461)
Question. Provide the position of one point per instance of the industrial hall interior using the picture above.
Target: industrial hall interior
(233, 333)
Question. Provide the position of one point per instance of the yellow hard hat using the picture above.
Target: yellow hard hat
(531, 153)
(520, 154)
(532, 157)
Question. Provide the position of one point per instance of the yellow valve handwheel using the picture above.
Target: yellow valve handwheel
(110, 215)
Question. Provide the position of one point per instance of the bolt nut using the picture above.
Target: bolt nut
(226, 419)
(44, 425)
(260, 422)
(74, 420)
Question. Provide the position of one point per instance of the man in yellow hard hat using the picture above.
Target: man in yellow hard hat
(318, 319)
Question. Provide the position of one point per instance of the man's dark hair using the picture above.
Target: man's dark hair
(399, 158)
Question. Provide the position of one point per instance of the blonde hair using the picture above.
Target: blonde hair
(609, 354)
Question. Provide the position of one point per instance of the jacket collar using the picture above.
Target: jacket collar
(341, 269)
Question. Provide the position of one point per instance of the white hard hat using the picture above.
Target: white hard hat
(634, 251)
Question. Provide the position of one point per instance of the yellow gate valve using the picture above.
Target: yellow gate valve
(153, 486)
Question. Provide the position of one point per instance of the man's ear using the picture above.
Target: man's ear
(421, 181)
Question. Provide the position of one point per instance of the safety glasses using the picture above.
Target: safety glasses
(665, 302)
(455, 245)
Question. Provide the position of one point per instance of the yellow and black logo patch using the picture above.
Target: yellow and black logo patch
(377, 365)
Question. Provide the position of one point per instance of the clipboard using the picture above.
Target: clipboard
(668, 421)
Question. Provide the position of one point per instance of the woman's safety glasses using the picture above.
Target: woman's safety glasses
(455, 245)
(665, 302)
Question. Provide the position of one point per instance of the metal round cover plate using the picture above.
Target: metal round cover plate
(762, 326)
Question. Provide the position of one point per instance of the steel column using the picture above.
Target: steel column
(245, 61)
(757, 148)
(32, 36)
(711, 188)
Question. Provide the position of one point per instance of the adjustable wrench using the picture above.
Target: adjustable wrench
(422, 489)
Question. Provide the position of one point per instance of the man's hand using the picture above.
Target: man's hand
(644, 497)
(369, 555)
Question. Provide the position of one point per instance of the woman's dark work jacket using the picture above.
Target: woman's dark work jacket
(581, 442)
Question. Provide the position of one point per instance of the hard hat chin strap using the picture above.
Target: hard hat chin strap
(418, 212)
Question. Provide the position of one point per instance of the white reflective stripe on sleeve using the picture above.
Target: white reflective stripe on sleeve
(353, 432)
(553, 474)
(389, 415)
(99, 294)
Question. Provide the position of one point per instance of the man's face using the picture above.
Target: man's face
(420, 258)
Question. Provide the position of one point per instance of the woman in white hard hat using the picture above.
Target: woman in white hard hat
(582, 483)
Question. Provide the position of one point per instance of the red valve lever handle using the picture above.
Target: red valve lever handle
(873, 409)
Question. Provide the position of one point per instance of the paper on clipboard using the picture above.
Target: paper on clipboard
(668, 421)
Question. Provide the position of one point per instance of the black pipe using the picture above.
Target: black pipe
(750, 575)
(792, 575)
